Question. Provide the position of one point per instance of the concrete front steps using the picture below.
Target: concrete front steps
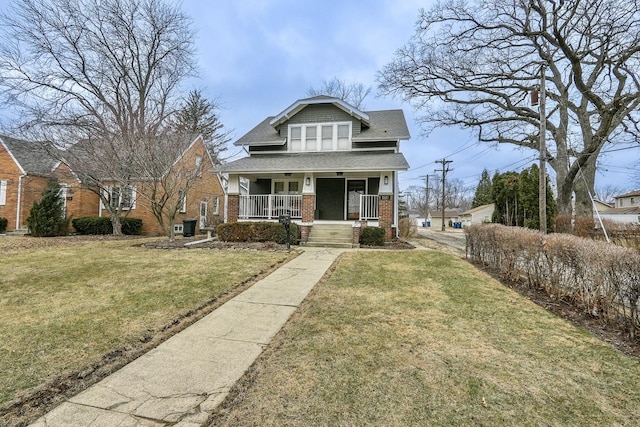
(331, 236)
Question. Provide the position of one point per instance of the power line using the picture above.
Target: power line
(444, 170)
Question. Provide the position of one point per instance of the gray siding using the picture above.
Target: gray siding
(321, 114)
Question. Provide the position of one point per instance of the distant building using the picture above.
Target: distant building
(628, 200)
(479, 215)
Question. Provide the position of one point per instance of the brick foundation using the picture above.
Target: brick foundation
(233, 208)
(385, 216)
(308, 207)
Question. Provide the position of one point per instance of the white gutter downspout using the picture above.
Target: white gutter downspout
(396, 198)
(19, 201)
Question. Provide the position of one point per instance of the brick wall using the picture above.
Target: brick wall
(9, 172)
(385, 213)
(308, 207)
(233, 210)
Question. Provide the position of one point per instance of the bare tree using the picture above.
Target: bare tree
(353, 93)
(197, 116)
(169, 176)
(607, 193)
(472, 64)
(103, 72)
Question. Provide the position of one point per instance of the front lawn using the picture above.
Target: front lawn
(66, 303)
(423, 338)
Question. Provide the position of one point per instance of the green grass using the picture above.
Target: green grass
(423, 338)
(65, 305)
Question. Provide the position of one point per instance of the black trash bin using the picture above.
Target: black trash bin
(188, 227)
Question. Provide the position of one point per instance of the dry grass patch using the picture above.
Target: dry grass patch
(423, 338)
(65, 303)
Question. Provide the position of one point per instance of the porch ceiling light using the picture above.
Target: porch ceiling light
(386, 179)
(307, 181)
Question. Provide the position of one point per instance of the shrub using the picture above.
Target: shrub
(131, 226)
(408, 227)
(600, 278)
(372, 236)
(46, 218)
(3, 224)
(95, 225)
(257, 232)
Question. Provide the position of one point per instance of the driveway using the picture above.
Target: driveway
(455, 239)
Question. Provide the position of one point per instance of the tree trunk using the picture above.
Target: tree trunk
(116, 224)
(583, 187)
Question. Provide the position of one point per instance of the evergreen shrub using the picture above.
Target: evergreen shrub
(46, 218)
(94, 225)
(3, 224)
(372, 236)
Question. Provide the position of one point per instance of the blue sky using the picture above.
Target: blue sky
(257, 57)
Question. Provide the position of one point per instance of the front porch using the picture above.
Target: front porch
(355, 199)
(361, 207)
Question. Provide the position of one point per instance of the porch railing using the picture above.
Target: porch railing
(270, 206)
(368, 207)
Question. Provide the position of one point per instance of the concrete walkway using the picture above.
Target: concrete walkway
(181, 382)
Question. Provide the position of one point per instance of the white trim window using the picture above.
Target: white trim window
(320, 137)
(182, 200)
(216, 205)
(122, 196)
(3, 192)
(286, 187)
(198, 166)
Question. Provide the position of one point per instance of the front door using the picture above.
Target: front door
(355, 187)
(203, 214)
(330, 198)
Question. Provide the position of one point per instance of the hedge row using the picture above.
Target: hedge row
(600, 278)
(3, 224)
(102, 225)
(372, 236)
(257, 232)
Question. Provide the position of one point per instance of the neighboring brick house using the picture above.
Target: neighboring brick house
(26, 168)
(322, 161)
(203, 202)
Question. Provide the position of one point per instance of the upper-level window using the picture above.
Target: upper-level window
(320, 137)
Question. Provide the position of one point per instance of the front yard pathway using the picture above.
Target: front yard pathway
(181, 381)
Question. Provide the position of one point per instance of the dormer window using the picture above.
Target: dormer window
(320, 137)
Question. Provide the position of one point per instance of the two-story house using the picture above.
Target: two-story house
(322, 161)
(628, 200)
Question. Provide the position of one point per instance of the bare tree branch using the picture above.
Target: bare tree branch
(471, 64)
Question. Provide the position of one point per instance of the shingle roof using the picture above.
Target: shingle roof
(476, 209)
(631, 194)
(263, 134)
(382, 125)
(34, 157)
(385, 125)
(318, 162)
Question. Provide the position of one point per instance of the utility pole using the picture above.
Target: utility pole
(542, 185)
(444, 170)
(426, 196)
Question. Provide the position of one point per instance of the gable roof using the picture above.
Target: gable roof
(381, 125)
(32, 157)
(630, 194)
(477, 209)
(294, 108)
